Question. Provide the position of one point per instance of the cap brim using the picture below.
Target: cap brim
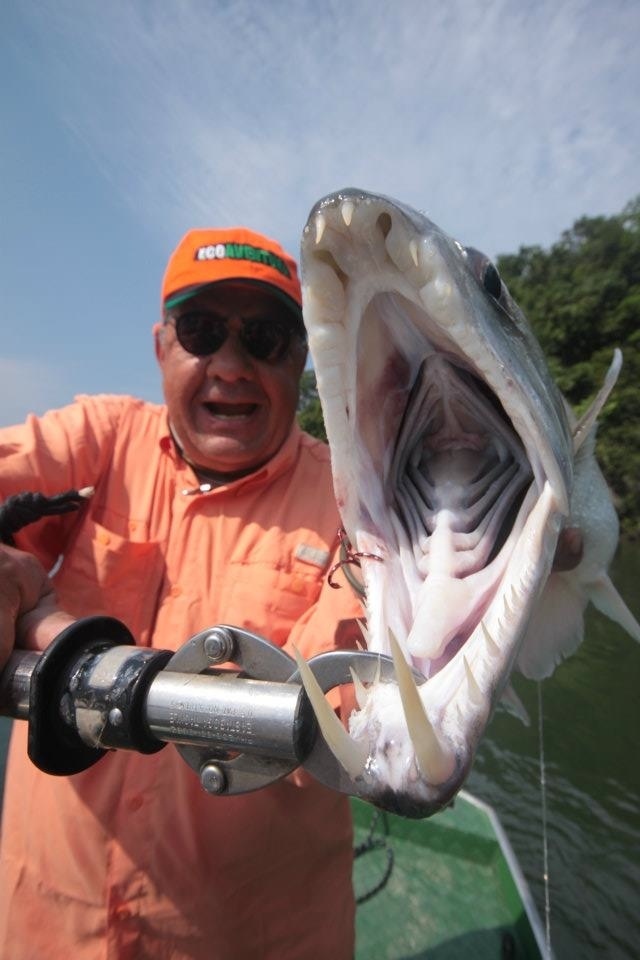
(188, 292)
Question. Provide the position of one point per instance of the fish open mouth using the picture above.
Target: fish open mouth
(454, 487)
(451, 461)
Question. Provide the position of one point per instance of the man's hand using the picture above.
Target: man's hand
(29, 614)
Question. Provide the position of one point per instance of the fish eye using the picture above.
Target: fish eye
(486, 274)
(491, 281)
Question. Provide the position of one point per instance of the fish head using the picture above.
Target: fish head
(452, 464)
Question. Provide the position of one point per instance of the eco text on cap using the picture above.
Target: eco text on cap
(242, 251)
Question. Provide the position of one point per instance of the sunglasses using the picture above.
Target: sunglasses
(264, 338)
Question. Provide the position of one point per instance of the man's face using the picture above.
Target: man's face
(229, 411)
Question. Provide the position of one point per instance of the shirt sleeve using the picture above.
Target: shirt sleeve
(69, 448)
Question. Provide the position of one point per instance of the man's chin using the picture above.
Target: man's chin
(226, 459)
(218, 448)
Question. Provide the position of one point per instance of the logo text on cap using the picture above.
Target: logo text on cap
(242, 251)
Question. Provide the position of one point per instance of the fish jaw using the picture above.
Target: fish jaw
(452, 466)
(459, 699)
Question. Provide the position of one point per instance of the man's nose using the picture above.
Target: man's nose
(230, 360)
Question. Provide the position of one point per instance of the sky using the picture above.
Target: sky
(126, 123)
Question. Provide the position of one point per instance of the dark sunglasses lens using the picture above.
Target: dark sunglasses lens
(266, 339)
(200, 333)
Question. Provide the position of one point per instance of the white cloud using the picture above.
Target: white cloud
(505, 121)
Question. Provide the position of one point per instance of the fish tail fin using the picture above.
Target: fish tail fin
(606, 598)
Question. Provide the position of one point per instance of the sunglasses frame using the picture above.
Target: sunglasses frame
(288, 327)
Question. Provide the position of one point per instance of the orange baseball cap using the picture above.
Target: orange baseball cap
(205, 257)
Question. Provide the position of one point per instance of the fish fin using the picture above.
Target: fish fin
(514, 705)
(606, 598)
(557, 625)
(587, 421)
(556, 628)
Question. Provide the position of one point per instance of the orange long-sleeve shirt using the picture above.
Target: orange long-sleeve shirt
(131, 859)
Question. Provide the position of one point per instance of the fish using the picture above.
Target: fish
(469, 493)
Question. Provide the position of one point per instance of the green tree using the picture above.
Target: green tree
(309, 410)
(582, 297)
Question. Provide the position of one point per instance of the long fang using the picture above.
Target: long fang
(436, 764)
(348, 752)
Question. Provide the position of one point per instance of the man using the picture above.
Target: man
(214, 508)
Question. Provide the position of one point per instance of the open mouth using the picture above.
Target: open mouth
(445, 488)
(450, 458)
(230, 411)
(455, 484)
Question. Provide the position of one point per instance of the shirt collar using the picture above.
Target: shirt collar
(277, 465)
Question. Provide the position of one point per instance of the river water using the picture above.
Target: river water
(591, 722)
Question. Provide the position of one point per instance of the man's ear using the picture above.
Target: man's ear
(158, 341)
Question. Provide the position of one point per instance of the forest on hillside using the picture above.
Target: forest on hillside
(582, 298)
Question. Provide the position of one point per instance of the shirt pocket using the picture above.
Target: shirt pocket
(106, 573)
(269, 601)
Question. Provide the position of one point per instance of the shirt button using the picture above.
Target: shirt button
(132, 525)
(103, 537)
(175, 591)
(135, 802)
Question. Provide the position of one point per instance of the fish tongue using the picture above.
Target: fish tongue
(445, 601)
(444, 606)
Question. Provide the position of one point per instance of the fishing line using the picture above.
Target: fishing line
(545, 838)
(381, 842)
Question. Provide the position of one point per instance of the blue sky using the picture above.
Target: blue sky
(125, 123)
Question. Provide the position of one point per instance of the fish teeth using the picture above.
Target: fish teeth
(376, 678)
(346, 209)
(365, 631)
(475, 693)
(435, 763)
(348, 752)
(437, 298)
(492, 647)
(413, 250)
(320, 227)
(508, 612)
(511, 604)
(359, 688)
